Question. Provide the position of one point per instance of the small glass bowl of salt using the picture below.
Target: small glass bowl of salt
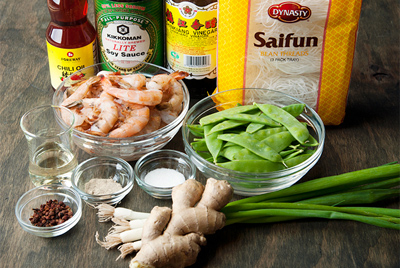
(159, 171)
(103, 180)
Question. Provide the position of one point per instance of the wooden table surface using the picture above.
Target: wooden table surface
(368, 137)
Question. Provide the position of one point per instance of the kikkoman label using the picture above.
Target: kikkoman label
(191, 38)
(129, 32)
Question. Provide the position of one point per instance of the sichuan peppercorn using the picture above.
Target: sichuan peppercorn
(50, 214)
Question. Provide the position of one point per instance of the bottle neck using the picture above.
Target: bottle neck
(68, 12)
(69, 23)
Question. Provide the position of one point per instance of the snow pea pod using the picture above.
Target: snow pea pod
(293, 148)
(230, 151)
(199, 145)
(296, 128)
(205, 155)
(260, 148)
(245, 154)
(292, 155)
(254, 166)
(196, 130)
(253, 118)
(219, 116)
(264, 133)
(295, 109)
(310, 142)
(214, 144)
(296, 160)
(279, 141)
(253, 127)
(227, 124)
(287, 152)
(227, 144)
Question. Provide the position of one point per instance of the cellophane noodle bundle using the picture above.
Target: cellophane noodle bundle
(303, 48)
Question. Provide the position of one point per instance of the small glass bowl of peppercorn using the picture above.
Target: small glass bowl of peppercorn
(49, 210)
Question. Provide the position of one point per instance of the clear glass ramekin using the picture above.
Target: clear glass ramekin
(103, 167)
(170, 159)
(37, 196)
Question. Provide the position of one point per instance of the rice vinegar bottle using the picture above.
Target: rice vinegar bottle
(71, 39)
(191, 43)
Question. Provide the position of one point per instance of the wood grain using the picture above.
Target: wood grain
(369, 136)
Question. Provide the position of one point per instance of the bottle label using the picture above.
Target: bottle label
(130, 31)
(65, 61)
(191, 38)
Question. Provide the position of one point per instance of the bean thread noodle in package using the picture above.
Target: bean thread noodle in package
(303, 48)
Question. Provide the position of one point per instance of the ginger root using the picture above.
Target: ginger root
(172, 238)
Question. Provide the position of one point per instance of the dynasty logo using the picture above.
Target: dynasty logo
(289, 12)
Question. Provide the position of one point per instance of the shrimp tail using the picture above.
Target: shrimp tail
(179, 75)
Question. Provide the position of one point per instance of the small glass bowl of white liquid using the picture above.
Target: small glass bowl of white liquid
(159, 171)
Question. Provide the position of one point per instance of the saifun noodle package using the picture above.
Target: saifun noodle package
(303, 48)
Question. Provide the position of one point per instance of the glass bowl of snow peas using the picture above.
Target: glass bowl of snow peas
(259, 140)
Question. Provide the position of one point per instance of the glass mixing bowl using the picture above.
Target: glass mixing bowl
(131, 148)
(244, 183)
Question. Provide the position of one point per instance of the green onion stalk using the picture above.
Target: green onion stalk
(330, 197)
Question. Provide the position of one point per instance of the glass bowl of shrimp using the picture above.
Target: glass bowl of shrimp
(124, 114)
(251, 138)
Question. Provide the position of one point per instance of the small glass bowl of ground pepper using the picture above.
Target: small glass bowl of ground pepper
(103, 180)
(49, 210)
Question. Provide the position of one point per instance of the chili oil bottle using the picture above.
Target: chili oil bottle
(191, 43)
(130, 32)
(71, 39)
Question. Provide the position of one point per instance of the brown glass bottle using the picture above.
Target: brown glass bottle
(71, 39)
(191, 40)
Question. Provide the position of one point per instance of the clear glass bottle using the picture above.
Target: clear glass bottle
(71, 39)
(191, 43)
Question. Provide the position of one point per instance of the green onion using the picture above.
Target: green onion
(259, 214)
(328, 197)
(329, 184)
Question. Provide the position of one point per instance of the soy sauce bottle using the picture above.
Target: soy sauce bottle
(191, 43)
(130, 32)
(71, 39)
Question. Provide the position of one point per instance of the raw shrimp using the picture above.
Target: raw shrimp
(166, 83)
(108, 115)
(115, 105)
(153, 124)
(167, 116)
(106, 73)
(171, 105)
(137, 81)
(82, 91)
(136, 118)
(143, 97)
(174, 103)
